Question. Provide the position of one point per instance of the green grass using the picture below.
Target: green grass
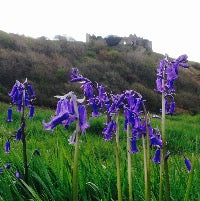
(50, 174)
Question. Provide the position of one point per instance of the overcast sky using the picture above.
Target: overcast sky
(172, 25)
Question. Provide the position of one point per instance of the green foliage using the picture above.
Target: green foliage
(51, 173)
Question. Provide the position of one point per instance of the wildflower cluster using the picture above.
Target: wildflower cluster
(22, 95)
(130, 102)
(65, 114)
(167, 73)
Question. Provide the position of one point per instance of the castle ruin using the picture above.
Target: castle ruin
(132, 40)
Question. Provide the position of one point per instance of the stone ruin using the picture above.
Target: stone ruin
(132, 40)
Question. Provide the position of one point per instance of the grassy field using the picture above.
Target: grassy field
(50, 174)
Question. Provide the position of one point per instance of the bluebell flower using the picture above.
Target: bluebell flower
(88, 90)
(156, 158)
(14, 90)
(161, 67)
(76, 76)
(1, 170)
(159, 86)
(31, 112)
(134, 148)
(30, 91)
(55, 121)
(126, 118)
(82, 118)
(188, 164)
(130, 99)
(18, 135)
(172, 107)
(109, 129)
(72, 139)
(155, 141)
(7, 147)
(107, 101)
(17, 175)
(7, 166)
(95, 112)
(101, 93)
(9, 119)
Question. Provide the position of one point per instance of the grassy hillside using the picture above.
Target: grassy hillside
(51, 172)
(47, 65)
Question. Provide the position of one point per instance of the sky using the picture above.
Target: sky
(172, 25)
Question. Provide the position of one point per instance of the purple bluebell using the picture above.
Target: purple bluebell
(109, 129)
(7, 166)
(119, 100)
(31, 112)
(7, 147)
(82, 118)
(1, 170)
(58, 108)
(17, 175)
(14, 90)
(166, 106)
(180, 61)
(88, 90)
(156, 158)
(126, 118)
(171, 73)
(188, 164)
(31, 91)
(155, 141)
(72, 139)
(95, 112)
(170, 85)
(9, 119)
(18, 135)
(159, 86)
(170, 69)
(161, 67)
(55, 121)
(69, 121)
(101, 93)
(134, 148)
(76, 76)
(130, 118)
(27, 100)
(65, 105)
(130, 99)
(19, 108)
(172, 107)
(107, 101)
(112, 108)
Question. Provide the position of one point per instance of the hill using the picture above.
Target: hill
(47, 64)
